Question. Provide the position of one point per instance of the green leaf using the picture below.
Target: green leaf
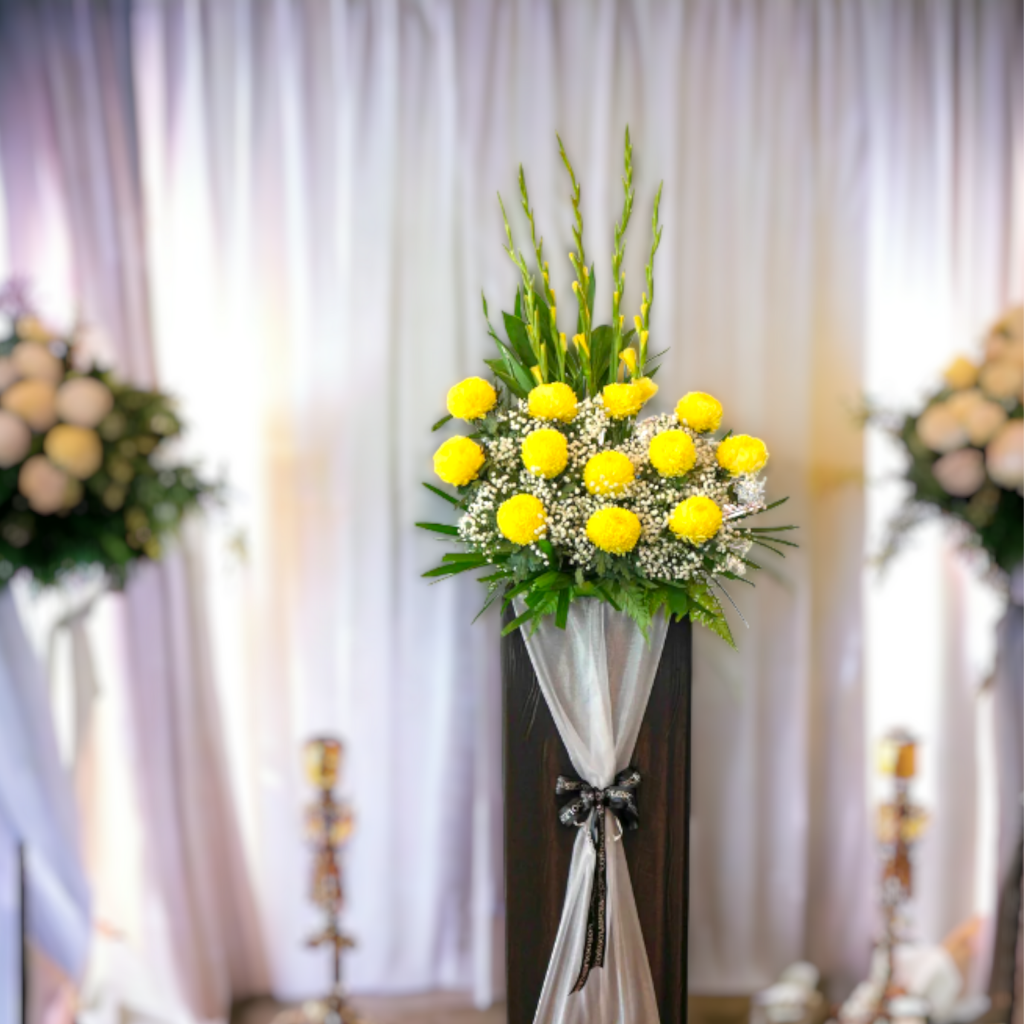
(601, 339)
(518, 621)
(441, 422)
(443, 571)
(562, 615)
(516, 331)
(442, 494)
(451, 531)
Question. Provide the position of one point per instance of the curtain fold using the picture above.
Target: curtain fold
(71, 67)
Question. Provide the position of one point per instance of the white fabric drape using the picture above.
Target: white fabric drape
(317, 219)
(596, 677)
(37, 807)
(67, 120)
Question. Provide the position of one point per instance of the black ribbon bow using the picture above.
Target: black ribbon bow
(586, 809)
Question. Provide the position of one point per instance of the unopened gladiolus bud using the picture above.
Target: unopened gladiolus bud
(643, 337)
(643, 309)
(576, 286)
(535, 370)
(565, 344)
(580, 341)
(546, 268)
(622, 320)
(586, 272)
(554, 313)
(638, 323)
(628, 356)
(615, 298)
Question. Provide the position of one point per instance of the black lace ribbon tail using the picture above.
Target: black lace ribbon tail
(587, 810)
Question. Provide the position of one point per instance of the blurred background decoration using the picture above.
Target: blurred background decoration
(85, 477)
(277, 211)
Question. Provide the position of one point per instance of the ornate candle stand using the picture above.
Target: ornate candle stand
(900, 824)
(328, 828)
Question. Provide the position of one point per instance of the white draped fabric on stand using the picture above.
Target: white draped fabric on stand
(313, 187)
(596, 677)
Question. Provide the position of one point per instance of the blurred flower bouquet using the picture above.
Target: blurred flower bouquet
(84, 476)
(966, 447)
(562, 492)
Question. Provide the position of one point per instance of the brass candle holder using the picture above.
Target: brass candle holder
(900, 824)
(328, 828)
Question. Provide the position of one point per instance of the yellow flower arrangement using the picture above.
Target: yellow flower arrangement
(553, 402)
(742, 454)
(608, 473)
(696, 520)
(700, 411)
(567, 474)
(615, 530)
(673, 453)
(545, 452)
(522, 519)
(471, 399)
(458, 461)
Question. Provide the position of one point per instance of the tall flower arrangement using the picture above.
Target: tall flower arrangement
(87, 476)
(965, 448)
(560, 491)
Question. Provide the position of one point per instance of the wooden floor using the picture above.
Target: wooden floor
(434, 1008)
(456, 1008)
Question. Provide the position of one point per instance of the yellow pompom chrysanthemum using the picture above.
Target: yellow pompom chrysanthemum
(545, 452)
(523, 519)
(458, 461)
(471, 399)
(615, 530)
(673, 453)
(553, 402)
(696, 520)
(608, 473)
(622, 400)
(700, 411)
(742, 454)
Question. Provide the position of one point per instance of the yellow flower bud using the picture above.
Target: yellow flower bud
(576, 286)
(615, 530)
(644, 306)
(622, 320)
(628, 356)
(742, 454)
(565, 344)
(696, 520)
(458, 461)
(554, 313)
(522, 519)
(608, 473)
(700, 411)
(643, 337)
(471, 399)
(638, 324)
(615, 297)
(535, 370)
(580, 341)
(586, 272)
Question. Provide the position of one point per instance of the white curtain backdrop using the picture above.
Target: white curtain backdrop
(317, 219)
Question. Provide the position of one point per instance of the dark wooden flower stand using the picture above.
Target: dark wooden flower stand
(538, 849)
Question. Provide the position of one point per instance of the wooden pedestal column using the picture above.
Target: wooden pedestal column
(538, 849)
